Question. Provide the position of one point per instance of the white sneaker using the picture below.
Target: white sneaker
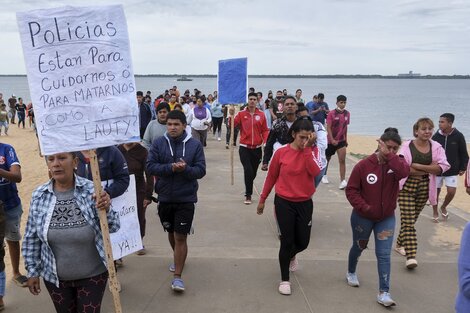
(284, 288)
(218, 139)
(385, 299)
(325, 180)
(343, 184)
(352, 279)
(411, 263)
(293, 265)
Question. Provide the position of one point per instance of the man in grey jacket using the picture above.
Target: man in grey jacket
(157, 127)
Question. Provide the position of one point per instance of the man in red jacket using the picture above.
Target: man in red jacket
(253, 133)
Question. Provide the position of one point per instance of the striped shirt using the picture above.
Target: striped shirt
(38, 256)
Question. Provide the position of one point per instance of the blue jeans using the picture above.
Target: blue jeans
(319, 177)
(2, 283)
(5, 126)
(383, 233)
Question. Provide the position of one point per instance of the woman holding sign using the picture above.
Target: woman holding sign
(63, 243)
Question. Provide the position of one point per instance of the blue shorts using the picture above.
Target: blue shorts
(12, 223)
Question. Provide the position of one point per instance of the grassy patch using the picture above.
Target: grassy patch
(359, 156)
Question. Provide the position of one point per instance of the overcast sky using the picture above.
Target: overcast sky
(279, 37)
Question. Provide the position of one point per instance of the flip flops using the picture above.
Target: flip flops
(400, 250)
(141, 251)
(21, 280)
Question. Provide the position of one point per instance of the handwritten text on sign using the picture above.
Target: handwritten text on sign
(80, 77)
(127, 240)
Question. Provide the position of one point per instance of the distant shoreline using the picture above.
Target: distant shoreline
(295, 76)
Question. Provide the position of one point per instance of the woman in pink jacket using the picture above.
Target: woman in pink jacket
(426, 159)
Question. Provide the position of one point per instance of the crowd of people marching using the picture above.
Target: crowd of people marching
(12, 109)
(293, 140)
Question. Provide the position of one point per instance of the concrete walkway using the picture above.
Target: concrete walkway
(232, 264)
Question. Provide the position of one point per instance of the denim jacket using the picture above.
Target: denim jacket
(38, 256)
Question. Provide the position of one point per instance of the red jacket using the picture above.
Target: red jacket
(293, 172)
(373, 188)
(254, 130)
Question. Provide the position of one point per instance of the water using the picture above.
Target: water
(374, 103)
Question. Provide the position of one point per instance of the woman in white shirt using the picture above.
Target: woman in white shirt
(200, 121)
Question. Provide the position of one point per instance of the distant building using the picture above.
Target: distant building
(410, 74)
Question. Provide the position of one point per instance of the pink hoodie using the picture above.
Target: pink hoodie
(438, 156)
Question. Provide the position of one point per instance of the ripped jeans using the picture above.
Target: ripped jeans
(383, 233)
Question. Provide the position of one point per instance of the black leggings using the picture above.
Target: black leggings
(235, 135)
(295, 223)
(217, 125)
(250, 158)
(21, 117)
(82, 295)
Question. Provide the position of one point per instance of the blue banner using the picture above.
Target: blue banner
(232, 81)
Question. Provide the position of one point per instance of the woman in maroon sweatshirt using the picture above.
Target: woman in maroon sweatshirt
(372, 191)
(292, 170)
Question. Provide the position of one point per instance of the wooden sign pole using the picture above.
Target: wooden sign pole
(232, 136)
(113, 282)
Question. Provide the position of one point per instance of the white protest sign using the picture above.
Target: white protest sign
(80, 77)
(127, 239)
